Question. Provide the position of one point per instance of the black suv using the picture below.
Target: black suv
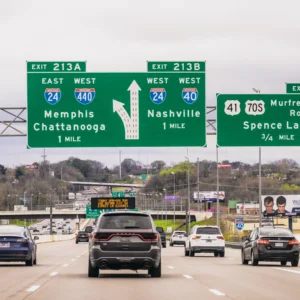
(125, 240)
(163, 236)
(271, 244)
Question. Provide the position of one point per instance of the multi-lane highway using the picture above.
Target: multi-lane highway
(61, 273)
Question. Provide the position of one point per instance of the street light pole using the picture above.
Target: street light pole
(198, 174)
(173, 173)
(50, 211)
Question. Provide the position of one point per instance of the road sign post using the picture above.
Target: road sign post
(116, 109)
(259, 120)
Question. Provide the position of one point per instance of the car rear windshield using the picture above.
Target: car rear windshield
(180, 233)
(272, 232)
(10, 230)
(125, 221)
(208, 230)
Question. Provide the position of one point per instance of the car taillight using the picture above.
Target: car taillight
(293, 242)
(155, 239)
(263, 242)
(195, 237)
(220, 237)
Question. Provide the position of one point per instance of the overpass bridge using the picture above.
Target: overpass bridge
(81, 214)
(134, 185)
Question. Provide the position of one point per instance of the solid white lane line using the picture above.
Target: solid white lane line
(231, 258)
(188, 276)
(170, 267)
(33, 288)
(216, 292)
(287, 270)
(65, 265)
(53, 273)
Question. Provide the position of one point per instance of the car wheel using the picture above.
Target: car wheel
(186, 252)
(164, 245)
(215, 254)
(29, 262)
(155, 272)
(253, 260)
(34, 262)
(283, 263)
(244, 261)
(76, 242)
(93, 272)
(295, 263)
(171, 245)
(222, 254)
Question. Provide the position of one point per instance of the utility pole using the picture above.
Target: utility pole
(120, 170)
(198, 184)
(50, 211)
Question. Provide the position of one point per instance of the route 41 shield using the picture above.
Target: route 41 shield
(239, 223)
(85, 96)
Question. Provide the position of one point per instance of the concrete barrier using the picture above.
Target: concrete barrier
(234, 245)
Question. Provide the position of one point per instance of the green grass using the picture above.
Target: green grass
(210, 221)
(22, 222)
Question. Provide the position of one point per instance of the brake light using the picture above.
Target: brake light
(220, 237)
(195, 237)
(263, 242)
(293, 242)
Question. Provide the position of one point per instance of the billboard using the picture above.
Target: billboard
(247, 208)
(281, 205)
(209, 196)
(172, 198)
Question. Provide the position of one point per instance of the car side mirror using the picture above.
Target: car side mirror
(36, 238)
(246, 238)
(159, 229)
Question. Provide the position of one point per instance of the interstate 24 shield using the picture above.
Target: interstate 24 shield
(85, 96)
(52, 95)
(158, 95)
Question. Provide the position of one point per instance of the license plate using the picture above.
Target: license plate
(125, 239)
(180, 237)
(4, 245)
(278, 244)
(208, 241)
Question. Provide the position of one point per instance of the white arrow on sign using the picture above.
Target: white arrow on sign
(131, 123)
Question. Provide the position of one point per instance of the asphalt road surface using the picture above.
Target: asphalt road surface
(61, 273)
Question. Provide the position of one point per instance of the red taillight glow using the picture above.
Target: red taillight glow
(196, 237)
(22, 240)
(155, 238)
(294, 242)
(263, 242)
(220, 237)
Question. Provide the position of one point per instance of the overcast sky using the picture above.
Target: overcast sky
(245, 43)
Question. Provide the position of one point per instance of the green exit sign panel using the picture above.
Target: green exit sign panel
(178, 66)
(50, 66)
(92, 213)
(258, 120)
(293, 88)
(116, 110)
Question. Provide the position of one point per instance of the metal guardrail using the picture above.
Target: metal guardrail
(234, 245)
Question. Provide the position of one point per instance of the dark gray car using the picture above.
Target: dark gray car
(125, 240)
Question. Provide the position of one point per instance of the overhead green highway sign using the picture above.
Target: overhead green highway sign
(116, 109)
(56, 66)
(176, 66)
(258, 120)
(293, 88)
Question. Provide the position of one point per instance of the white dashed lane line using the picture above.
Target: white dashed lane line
(216, 292)
(73, 259)
(65, 265)
(170, 267)
(53, 274)
(188, 276)
(287, 270)
(33, 288)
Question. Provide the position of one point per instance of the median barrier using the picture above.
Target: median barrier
(234, 245)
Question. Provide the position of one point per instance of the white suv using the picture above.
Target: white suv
(205, 239)
(178, 238)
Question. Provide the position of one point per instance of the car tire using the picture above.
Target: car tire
(244, 261)
(29, 262)
(76, 242)
(164, 245)
(93, 272)
(215, 254)
(186, 252)
(295, 263)
(254, 261)
(222, 254)
(155, 272)
(171, 245)
(35, 260)
(283, 263)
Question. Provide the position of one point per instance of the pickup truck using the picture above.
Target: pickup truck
(163, 236)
